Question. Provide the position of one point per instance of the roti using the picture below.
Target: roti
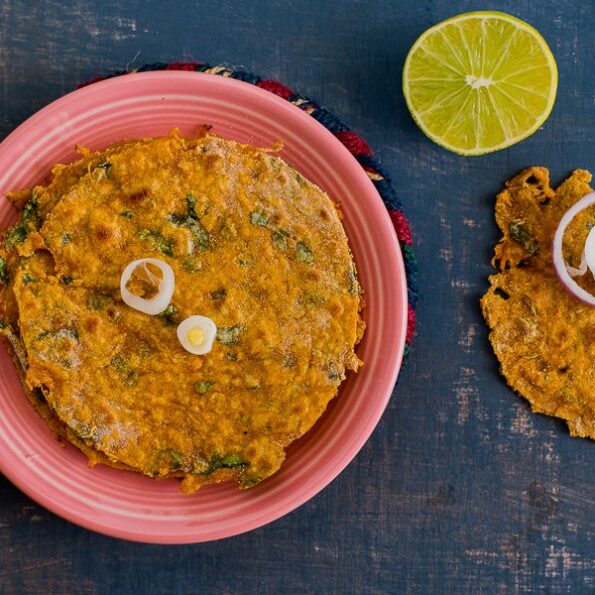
(253, 245)
(543, 337)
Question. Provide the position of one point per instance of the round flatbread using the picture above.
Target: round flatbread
(253, 245)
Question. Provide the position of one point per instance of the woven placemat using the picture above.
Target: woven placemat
(356, 145)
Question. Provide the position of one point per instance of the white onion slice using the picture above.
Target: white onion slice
(197, 334)
(582, 267)
(564, 272)
(589, 252)
(165, 291)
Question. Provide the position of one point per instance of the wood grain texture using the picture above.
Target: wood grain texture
(460, 489)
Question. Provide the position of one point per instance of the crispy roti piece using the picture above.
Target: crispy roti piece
(544, 337)
(253, 245)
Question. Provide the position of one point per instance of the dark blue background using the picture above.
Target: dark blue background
(460, 489)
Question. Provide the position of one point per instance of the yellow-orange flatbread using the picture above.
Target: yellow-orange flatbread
(253, 245)
(543, 336)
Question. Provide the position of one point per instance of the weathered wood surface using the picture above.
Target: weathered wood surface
(461, 489)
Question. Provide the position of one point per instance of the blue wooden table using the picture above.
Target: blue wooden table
(460, 489)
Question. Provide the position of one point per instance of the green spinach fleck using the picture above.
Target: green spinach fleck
(191, 206)
(30, 212)
(15, 235)
(229, 335)
(128, 376)
(248, 482)
(98, 301)
(27, 278)
(66, 239)
(86, 433)
(3, 271)
(258, 218)
(280, 238)
(517, 230)
(231, 356)
(191, 221)
(203, 386)
(167, 458)
(177, 219)
(170, 315)
(67, 279)
(144, 350)
(227, 462)
(176, 461)
(303, 253)
(159, 242)
(334, 371)
(126, 214)
(201, 236)
(190, 265)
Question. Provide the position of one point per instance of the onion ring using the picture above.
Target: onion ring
(564, 272)
(159, 302)
(206, 331)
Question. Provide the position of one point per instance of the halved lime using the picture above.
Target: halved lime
(479, 82)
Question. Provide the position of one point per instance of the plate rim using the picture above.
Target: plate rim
(146, 537)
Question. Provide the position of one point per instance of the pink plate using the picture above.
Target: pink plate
(128, 506)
